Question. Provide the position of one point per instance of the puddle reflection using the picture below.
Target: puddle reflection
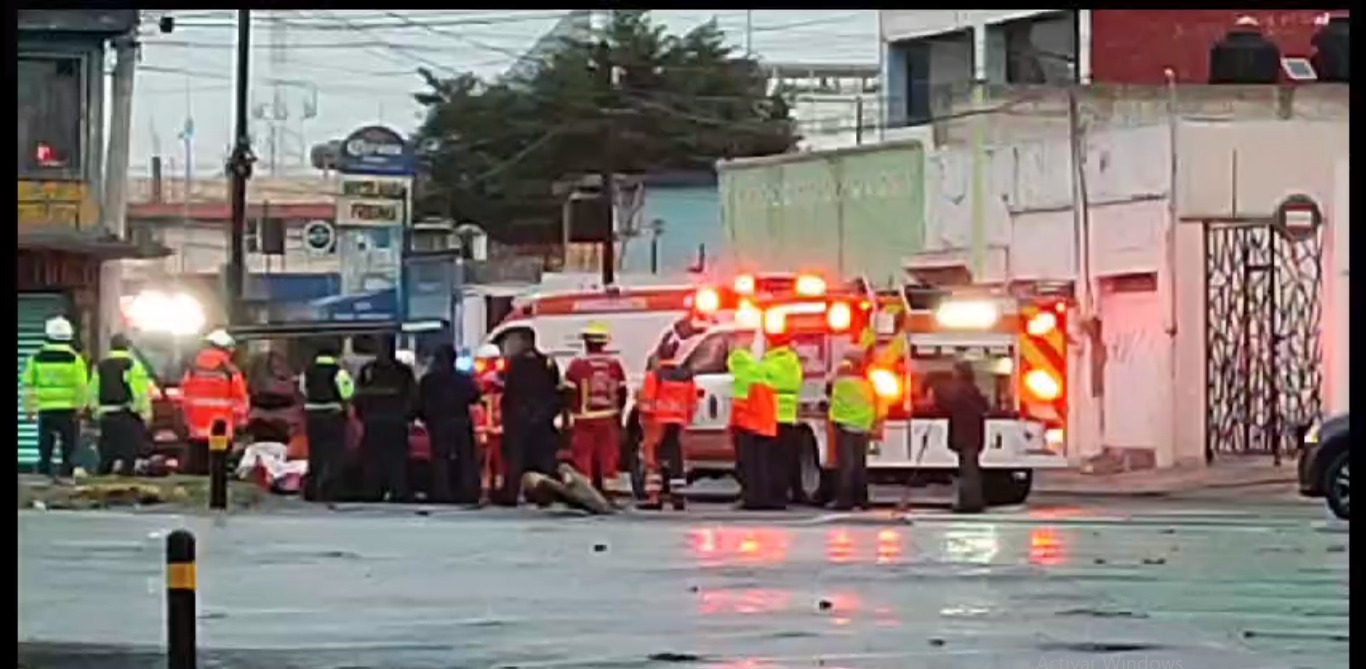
(1047, 547)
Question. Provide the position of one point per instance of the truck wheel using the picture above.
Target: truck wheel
(1335, 485)
(1007, 487)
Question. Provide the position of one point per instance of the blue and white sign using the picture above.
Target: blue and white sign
(376, 150)
(320, 238)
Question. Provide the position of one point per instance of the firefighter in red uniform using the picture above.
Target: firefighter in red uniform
(213, 389)
(596, 382)
(488, 420)
(668, 400)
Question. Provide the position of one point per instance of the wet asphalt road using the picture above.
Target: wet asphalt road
(1208, 583)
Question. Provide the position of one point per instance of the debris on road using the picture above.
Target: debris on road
(571, 489)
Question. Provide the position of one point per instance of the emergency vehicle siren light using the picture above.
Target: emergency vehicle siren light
(1041, 324)
(748, 315)
(744, 284)
(707, 301)
(775, 322)
(886, 384)
(810, 285)
(967, 315)
(839, 317)
(1044, 385)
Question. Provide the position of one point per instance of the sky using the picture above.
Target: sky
(333, 71)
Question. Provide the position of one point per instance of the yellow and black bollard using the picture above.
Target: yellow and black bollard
(180, 600)
(218, 464)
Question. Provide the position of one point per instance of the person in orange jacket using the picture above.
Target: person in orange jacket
(596, 382)
(488, 418)
(669, 399)
(213, 389)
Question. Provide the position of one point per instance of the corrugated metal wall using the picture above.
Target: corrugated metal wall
(848, 212)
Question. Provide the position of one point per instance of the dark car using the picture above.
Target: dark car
(1324, 460)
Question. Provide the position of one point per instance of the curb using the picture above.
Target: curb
(1162, 491)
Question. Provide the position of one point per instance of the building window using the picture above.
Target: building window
(51, 116)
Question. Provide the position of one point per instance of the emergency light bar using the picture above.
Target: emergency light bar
(967, 315)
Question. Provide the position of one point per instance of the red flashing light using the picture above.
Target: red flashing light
(707, 301)
(839, 317)
(1041, 324)
(775, 322)
(1060, 307)
(886, 384)
(1044, 385)
(745, 284)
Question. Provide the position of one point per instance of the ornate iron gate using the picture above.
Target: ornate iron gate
(1262, 351)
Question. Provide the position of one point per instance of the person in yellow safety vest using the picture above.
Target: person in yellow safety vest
(854, 409)
(782, 370)
(54, 380)
(120, 398)
(743, 370)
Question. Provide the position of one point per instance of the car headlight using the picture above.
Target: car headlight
(1311, 436)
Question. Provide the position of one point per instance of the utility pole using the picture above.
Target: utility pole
(116, 178)
(749, 33)
(607, 84)
(239, 171)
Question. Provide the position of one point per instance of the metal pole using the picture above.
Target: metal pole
(219, 438)
(858, 120)
(608, 189)
(978, 186)
(240, 171)
(116, 180)
(749, 33)
(181, 582)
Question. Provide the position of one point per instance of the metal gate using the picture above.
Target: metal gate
(1262, 351)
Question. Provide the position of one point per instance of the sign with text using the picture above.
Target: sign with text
(376, 149)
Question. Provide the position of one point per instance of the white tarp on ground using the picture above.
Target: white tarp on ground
(268, 463)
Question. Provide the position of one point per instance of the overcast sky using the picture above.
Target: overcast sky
(355, 67)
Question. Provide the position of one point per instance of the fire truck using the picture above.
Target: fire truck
(1017, 346)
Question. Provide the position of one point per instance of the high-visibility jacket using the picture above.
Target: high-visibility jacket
(325, 385)
(488, 414)
(782, 368)
(120, 383)
(670, 395)
(853, 404)
(213, 388)
(55, 379)
(596, 381)
(743, 372)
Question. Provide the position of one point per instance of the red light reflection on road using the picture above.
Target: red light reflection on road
(743, 602)
(728, 545)
(839, 546)
(1055, 513)
(843, 607)
(888, 546)
(1046, 547)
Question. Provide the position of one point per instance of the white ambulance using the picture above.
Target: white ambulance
(1000, 335)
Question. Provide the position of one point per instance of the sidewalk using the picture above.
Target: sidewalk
(1228, 473)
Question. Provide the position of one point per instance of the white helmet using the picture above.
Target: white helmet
(58, 328)
(488, 351)
(406, 357)
(220, 338)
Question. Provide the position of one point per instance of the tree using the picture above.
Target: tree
(679, 102)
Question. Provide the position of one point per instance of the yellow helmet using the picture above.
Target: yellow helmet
(597, 331)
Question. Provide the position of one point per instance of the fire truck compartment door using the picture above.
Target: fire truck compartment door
(1013, 437)
(927, 437)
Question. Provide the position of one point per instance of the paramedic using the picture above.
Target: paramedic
(120, 398)
(853, 412)
(530, 405)
(54, 386)
(596, 382)
(445, 396)
(967, 409)
(488, 420)
(327, 390)
(385, 399)
(671, 396)
(783, 371)
(213, 389)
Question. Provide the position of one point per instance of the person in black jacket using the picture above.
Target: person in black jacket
(328, 390)
(531, 402)
(386, 396)
(445, 396)
(967, 410)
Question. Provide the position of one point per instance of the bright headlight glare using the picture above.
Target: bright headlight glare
(967, 315)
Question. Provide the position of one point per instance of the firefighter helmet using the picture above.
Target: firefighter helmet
(488, 352)
(597, 332)
(220, 338)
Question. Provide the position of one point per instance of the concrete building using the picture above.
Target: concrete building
(833, 105)
(65, 233)
(931, 56)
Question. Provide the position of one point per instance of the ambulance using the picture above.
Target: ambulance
(1017, 346)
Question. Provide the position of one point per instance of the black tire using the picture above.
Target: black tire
(630, 455)
(1336, 485)
(1007, 487)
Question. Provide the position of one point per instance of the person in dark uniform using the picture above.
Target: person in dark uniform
(121, 400)
(445, 396)
(531, 402)
(967, 408)
(327, 390)
(385, 399)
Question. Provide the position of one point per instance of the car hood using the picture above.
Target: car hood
(1333, 426)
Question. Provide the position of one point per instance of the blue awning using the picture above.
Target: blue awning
(291, 287)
